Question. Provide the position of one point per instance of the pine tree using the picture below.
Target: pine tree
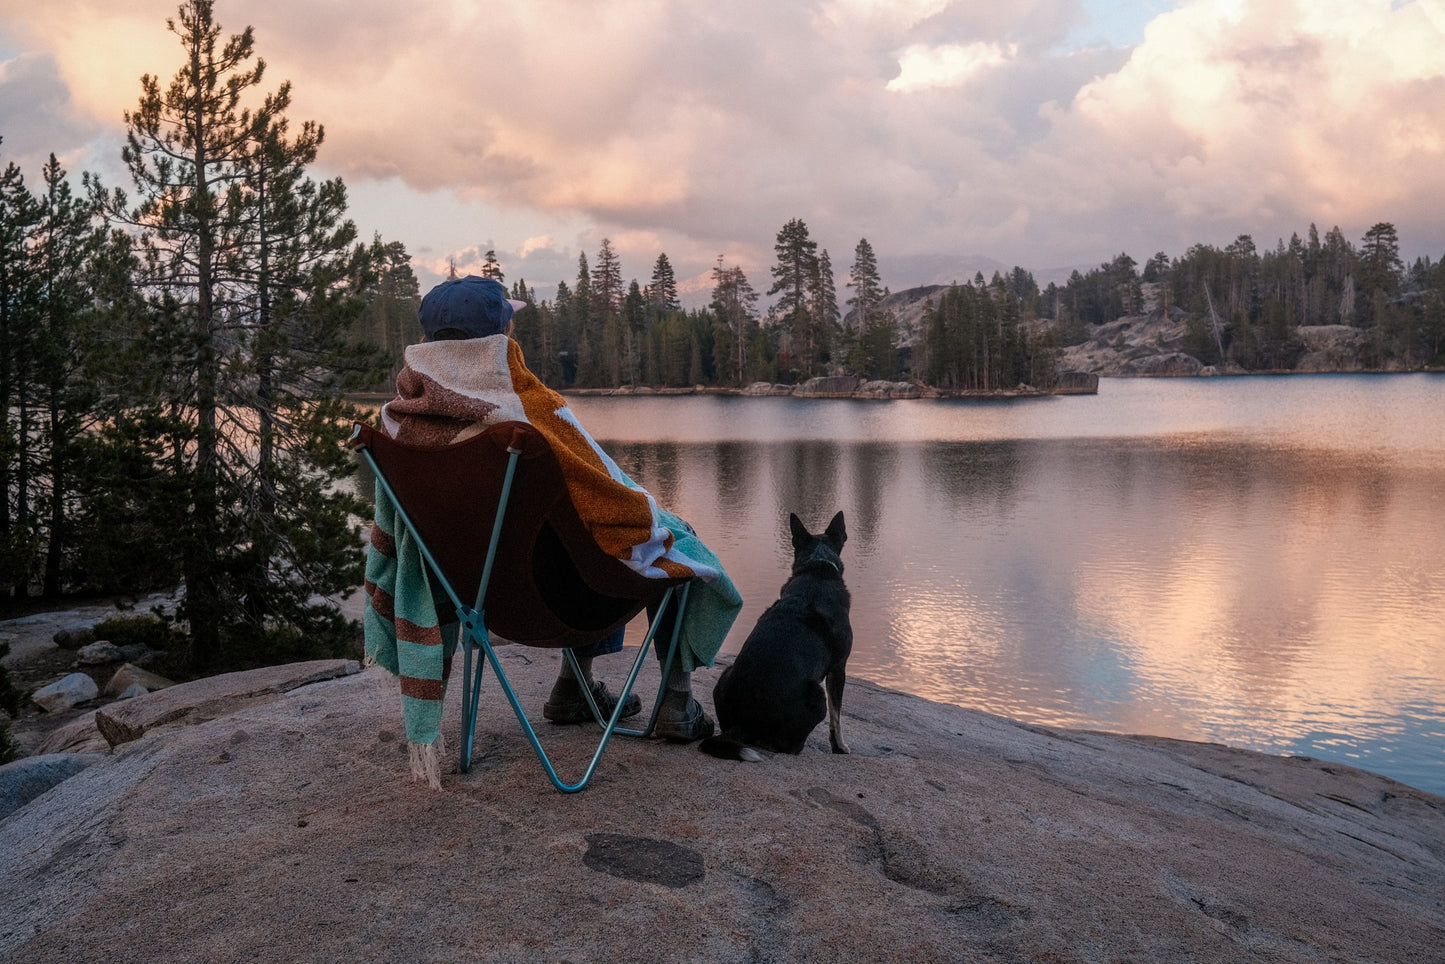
(607, 286)
(393, 297)
(823, 300)
(873, 328)
(1380, 271)
(19, 308)
(662, 291)
(587, 325)
(794, 270)
(607, 297)
(734, 306)
(634, 325)
(248, 267)
(491, 267)
(66, 237)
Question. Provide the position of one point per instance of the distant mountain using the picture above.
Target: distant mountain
(913, 271)
(907, 307)
(937, 269)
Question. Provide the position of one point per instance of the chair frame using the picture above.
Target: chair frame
(474, 635)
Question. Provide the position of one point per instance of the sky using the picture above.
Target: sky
(954, 135)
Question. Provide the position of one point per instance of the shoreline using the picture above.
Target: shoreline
(925, 393)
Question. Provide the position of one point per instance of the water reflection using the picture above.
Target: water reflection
(1196, 584)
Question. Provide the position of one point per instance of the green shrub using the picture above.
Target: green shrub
(327, 635)
(10, 702)
(9, 750)
(153, 631)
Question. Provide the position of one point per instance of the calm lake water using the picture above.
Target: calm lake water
(1252, 561)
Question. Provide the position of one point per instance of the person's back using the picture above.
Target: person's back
(468, 373)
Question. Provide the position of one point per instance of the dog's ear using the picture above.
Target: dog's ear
(801, 535)
(837, 533)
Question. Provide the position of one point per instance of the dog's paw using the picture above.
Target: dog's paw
(748, 755)
(841, 747)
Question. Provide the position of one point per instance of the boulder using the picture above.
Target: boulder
(828, 386)
(80, 735)
(27, 778)
(65, 692)
(131, 675)
(905, 390)
(99, 653)
(1174, 363)
(75, 633)
(213, 696)
(1077, 383)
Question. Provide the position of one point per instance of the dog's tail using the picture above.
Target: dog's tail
(726, 747)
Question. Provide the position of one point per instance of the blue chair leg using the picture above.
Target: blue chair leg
(474, 634)
(471, 697)
(681, 598)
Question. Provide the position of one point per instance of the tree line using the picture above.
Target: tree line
(1240, 306)
(599, 332)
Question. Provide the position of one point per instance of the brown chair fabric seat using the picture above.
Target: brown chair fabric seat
(551, 585)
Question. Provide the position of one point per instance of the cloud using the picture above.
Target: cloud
(931, 127)
(39, 116)
(534, 244)
(952, 65)
(1264, 116)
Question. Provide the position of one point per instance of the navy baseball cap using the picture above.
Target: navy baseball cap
(476, 306)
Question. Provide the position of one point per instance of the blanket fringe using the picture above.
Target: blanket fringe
(426, 761)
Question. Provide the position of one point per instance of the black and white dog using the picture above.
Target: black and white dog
(792, 667)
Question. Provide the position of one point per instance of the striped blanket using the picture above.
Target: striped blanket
(448, 392)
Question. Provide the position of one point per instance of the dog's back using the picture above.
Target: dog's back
(773, 695)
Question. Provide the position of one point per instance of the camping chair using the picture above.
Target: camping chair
(496, 525)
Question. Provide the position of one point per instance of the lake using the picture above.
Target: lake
(1252, 561)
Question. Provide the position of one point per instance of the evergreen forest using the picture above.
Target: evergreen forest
(1242, 310)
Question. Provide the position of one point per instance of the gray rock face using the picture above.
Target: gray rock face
(99, 653)
(27, 778)
(947, 835)
(1174, 363)
(828, 386)
(65, 693)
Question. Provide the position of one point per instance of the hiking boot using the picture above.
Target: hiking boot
(682, 723)
(567, 704)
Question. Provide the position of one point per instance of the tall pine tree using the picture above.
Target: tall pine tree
(793, 275)
(247, 264)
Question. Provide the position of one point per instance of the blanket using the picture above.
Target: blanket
(404, 636)
(450, 391)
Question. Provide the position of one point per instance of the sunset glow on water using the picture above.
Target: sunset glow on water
(1248, 561)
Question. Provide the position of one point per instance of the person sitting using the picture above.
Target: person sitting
(467, 373)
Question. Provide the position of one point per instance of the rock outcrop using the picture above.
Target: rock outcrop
(124, 721)
(70, 690)
(828, 386)
(290, 831)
